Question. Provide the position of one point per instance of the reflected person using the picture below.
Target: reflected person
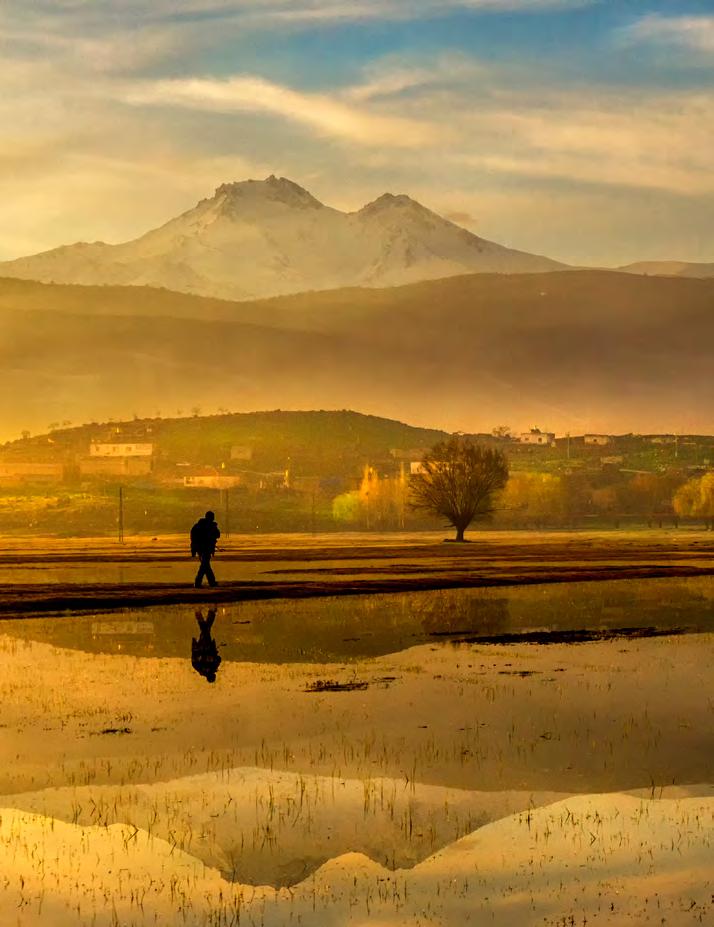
(204, 535)
(205, 658)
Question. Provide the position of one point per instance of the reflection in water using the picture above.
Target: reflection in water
(464, 781)
(205, 658)
(351, 628)
(606, 860)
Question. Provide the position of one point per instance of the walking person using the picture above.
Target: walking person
(204, 535)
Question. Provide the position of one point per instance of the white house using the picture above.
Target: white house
(536, 436)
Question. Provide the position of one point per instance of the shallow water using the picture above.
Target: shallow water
(351, 627)
(363, 759)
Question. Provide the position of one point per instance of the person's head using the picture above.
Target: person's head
(210, 516)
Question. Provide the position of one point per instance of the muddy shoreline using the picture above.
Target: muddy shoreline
(26, 601)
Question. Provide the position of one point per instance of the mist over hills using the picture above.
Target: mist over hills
(256, 239)
(670, 268)
(569, 351)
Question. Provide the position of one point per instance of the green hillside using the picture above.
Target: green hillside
(315, 443)
(302, 471)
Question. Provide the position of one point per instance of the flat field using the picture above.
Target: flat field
(52, 575)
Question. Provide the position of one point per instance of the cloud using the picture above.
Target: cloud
(392, 78)
(323, 112)
(632, 139)
(394, 10)
(690, 32)
(629, 138)
(98, 144)
(636, 139)
(258, 12)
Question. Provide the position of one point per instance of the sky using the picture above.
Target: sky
(580, 129)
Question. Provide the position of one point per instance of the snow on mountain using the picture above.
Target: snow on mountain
(266, 238)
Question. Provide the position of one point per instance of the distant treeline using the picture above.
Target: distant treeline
(378, 503)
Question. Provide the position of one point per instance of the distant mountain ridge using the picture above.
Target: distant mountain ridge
(670, 269)
(255, 239)
(573, 351)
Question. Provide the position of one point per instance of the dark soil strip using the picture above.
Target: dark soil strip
(579, 636)
(331, 685)
(26, 600)
(482, 549)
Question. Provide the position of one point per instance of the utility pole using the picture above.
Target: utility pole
(227, 514)
(120, 524)
(568, 444)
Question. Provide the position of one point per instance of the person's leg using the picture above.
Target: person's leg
(201, 573)
(209, 572)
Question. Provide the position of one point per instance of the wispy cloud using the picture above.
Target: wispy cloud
(99, 143)
(394, 78)
(264, 11)
(690, 32)
(320, 11)
(327, 114)
(632, 139)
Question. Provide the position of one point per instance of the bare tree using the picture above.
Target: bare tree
(458, 479)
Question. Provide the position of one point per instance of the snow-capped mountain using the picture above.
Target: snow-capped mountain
(266, 238)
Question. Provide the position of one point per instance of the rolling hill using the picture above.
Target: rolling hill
(262, 238)
(570, 351)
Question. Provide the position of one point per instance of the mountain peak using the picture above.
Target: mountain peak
(256, 238)
(274, 189)
(392, 201)
(399, 208)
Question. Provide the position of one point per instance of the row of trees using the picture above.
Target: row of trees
(462, 482)
(696, 498)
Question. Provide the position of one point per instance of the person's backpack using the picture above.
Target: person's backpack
(196, 538)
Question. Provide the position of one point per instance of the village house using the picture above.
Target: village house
(115, 458)
(28, 471)
(117, 449)
(210, 478)
(536, 436)
(115, 466)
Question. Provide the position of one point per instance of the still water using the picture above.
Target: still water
(396, 759)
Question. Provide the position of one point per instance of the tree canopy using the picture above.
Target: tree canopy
(458, 480)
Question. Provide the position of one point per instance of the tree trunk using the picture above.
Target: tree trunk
(459, 533)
